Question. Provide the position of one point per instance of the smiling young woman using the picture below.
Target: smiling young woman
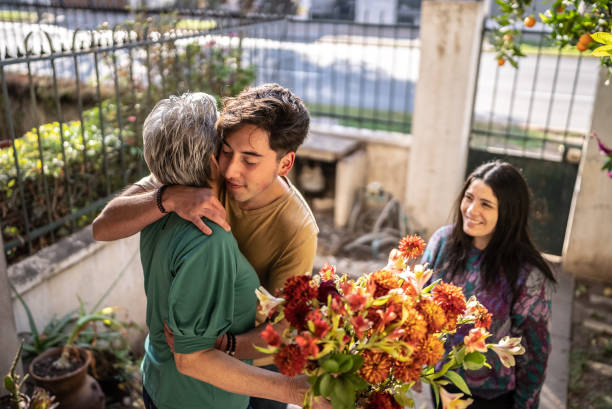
(489, 253)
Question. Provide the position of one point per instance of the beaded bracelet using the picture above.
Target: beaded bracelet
(230, 348)
(158, 198)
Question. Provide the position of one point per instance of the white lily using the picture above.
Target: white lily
(267, 301)
(506, 348)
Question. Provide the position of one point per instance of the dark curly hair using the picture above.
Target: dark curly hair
(271, 107)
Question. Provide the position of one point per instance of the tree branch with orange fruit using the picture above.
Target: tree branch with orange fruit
(584, 24)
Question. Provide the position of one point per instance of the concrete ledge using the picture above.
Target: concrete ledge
(53, 259)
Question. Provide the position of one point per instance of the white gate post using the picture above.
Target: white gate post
(587, 250)
(450, 43)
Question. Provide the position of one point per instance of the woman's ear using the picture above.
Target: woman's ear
(286, 163)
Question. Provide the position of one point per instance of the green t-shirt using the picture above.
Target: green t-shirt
(202, 286)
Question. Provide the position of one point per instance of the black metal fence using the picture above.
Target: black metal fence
(74, 103)
(542, 109)
(536, 117)
(353, 74)
(73, 118)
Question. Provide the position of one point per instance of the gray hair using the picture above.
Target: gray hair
(179, 138)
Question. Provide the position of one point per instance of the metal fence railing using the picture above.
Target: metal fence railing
(354, 74)
(74, 102)
(539, 110)
(73, 118)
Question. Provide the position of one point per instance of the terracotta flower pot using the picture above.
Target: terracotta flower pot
(73, 390)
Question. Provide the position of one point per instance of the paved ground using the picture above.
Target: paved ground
(554, 393)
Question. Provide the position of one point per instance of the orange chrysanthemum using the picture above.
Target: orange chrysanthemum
(415, 326)
(376, 366)
(412, 246)
(431, 351)
(383, 281)
(290, 360)
(450, 297)
(409, 371)
(433, 314)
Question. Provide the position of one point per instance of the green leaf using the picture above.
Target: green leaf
(460, 355)
(603, 51)
(601, 37)
(404, 400)
(474, 360)
(458, 381)
(8, 383)
(326, 385)
(330, 366)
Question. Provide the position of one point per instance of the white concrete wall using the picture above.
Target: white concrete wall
(387, 155)
(51, 280)
(450, 40)
(588, 242)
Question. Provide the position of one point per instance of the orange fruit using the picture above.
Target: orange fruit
(501, 61)
(581, 46)
(508, 37)
(585, 39)
(529, 21)
(560, 9)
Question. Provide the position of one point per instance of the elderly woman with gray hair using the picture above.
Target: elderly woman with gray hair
(201, 286)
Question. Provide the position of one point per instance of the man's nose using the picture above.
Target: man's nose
(231, 169)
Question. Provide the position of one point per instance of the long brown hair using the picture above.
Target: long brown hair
(511, 246)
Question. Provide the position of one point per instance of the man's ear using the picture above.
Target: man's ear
(286, 163)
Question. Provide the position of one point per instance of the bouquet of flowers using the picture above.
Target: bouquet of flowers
(366, 342)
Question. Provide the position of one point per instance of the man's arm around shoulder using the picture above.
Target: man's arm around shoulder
(136, 208)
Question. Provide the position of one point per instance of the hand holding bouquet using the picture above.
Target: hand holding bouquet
(366, 342)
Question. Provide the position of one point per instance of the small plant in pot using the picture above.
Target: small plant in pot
(17, 399)
(63, 370)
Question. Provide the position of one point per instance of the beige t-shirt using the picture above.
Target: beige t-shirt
(279, 239)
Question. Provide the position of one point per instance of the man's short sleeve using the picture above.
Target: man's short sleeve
(297, 259)
(201, 298)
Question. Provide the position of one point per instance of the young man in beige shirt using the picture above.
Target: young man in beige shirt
(261, 130)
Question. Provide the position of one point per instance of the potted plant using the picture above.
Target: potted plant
(63, 370)
(13, 383)
(16, 399)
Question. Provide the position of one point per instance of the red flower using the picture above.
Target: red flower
(451, 299)
(327, 288)
(321, 326)
(290, 360)
(412, 246)
(360, 325)
(271, 336)
(299, 288)
(307, 344)
(296, 312)
(327, 272)
(338, 306)
(356, 300)
(381, 400)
